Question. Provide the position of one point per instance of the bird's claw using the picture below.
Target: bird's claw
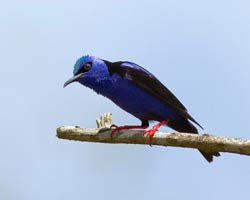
(150, 133)
(115, 129)
(126, 127)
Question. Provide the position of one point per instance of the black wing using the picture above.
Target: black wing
(150, 84)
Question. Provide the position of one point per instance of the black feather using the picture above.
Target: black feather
(151, 85)
(154, 87)
(183, 125)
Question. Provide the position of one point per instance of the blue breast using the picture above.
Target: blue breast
(135, 100)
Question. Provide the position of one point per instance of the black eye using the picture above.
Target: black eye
(87, 66)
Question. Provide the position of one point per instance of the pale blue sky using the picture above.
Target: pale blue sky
(198, 49)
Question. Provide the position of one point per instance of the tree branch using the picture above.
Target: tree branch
(204, 142)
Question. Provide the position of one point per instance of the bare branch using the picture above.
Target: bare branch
(204, 142)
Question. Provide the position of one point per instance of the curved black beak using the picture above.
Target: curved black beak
(73, 79)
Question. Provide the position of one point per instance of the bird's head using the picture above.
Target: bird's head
(87, 69)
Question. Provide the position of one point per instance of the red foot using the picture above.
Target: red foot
(119, 128)
(151, 132)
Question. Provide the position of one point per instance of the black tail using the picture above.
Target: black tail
(183, 125)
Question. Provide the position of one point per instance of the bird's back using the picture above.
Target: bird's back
(135, 100)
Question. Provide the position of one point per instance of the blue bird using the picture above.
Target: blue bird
(137, 91)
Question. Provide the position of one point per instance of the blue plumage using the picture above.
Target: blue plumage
(137, 91)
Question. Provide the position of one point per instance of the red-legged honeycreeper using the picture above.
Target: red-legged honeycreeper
(137, 91)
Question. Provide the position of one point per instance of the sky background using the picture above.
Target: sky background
(198, 49)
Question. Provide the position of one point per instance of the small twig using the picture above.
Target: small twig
(204, 142)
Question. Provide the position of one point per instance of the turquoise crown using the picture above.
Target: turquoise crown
(80, 62)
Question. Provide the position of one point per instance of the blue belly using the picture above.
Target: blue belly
(136, 101)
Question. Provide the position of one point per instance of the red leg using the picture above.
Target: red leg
(153, 130)
(118, 128)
